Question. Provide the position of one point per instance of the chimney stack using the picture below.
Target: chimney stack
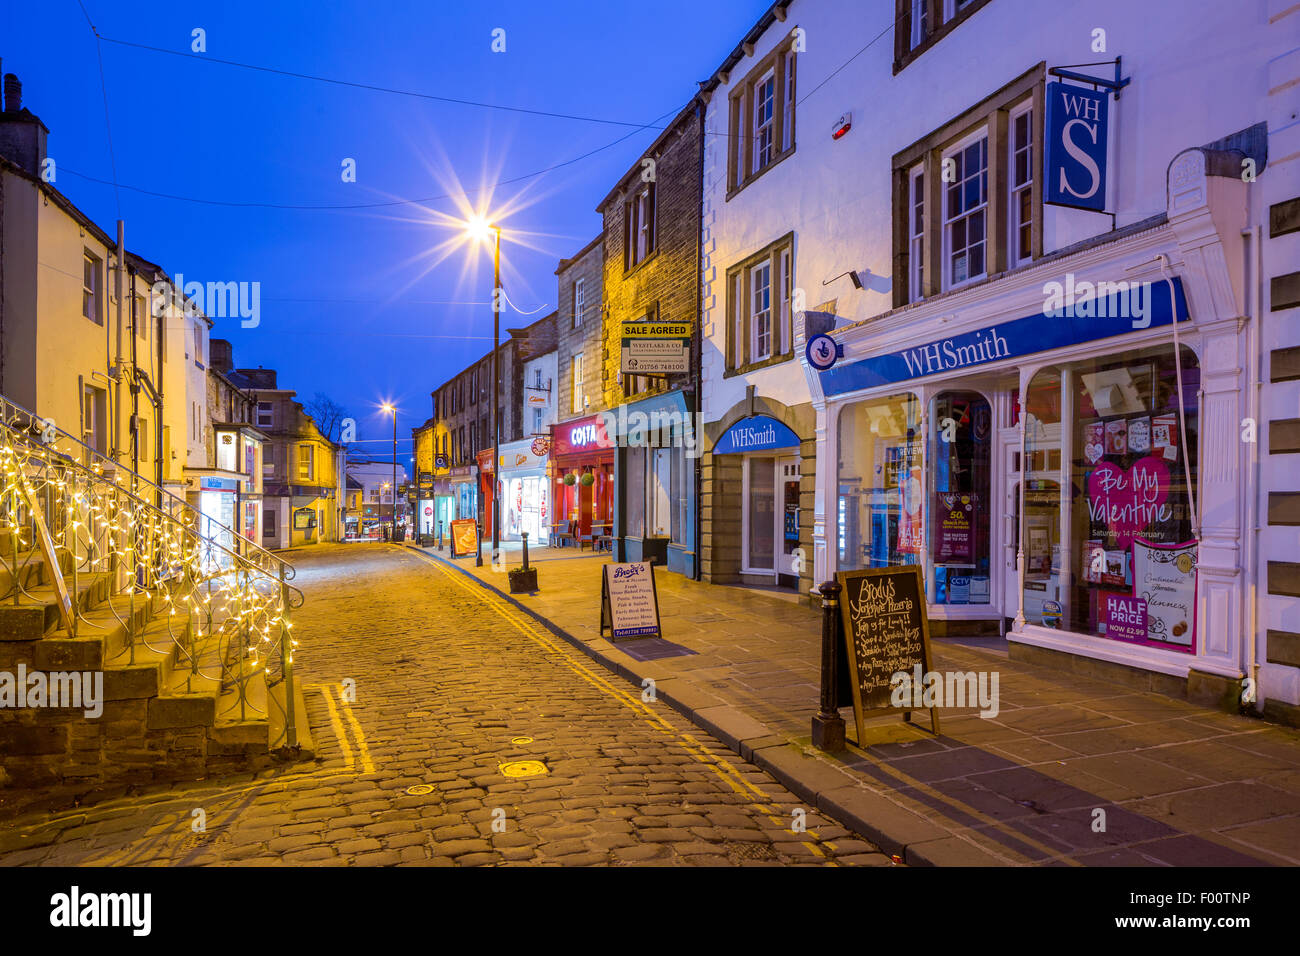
(22, 135)
(13, 93)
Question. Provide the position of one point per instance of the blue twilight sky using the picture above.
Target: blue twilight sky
(362, 304)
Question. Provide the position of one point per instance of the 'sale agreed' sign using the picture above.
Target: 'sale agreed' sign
(464, 537)
(886, 632)
(629, 601)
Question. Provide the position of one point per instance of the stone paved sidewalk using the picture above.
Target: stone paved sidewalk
(1179, 784)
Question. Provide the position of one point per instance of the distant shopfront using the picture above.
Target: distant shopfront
(581, 471)
(654, 476)
(525, 490)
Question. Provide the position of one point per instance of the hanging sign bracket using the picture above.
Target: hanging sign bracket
(1067, 72)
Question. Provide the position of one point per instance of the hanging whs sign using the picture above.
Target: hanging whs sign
(1075, 158)
(655, 348)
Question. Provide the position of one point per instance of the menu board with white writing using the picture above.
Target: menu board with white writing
(886, 631)
(629, 604)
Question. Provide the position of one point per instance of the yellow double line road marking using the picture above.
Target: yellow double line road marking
(699, 751)
(367, 765)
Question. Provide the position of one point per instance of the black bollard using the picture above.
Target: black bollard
(439, 535)
(525, 537)
(828, 725)
(478, 558)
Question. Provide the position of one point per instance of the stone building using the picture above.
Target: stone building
(650, 276)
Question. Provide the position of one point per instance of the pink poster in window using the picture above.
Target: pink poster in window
(911, 523)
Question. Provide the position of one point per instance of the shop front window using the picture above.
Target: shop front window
(1109, 480)
(635, 491)
(960, 460)
(880, 497)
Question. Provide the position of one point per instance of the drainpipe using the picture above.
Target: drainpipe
(696, 360)
(1253, 397)
(115, 366)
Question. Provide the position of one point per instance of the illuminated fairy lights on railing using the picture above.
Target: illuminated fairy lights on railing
(226, 613)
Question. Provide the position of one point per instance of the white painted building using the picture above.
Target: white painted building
(919, 238)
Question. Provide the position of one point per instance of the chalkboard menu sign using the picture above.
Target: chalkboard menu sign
(885, 631)
(629, 601)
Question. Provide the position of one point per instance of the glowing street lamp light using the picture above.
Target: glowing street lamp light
(480, 229)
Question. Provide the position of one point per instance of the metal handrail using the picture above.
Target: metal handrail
(231, 603)
(36, 422)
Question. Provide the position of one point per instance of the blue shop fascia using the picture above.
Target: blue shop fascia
(656, 478)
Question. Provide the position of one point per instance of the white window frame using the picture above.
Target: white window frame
(579, 301)
(578, 397)
(265, 415)
(787, 121)
(1014, 189)
(784, 318)
(920, 9)
(757, 313)
(916, 233)
(740, 358)
(305, 474)
(91, 307)
(756, 107)
(982, 133)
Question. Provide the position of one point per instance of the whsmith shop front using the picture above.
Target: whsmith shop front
(1063, 469)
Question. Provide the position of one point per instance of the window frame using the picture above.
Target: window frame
(579, 301)
(92, 295)
(1014, 226)
(991, 114)
(305, 474)
(741, 329)
(943, 17)
(948, 222)
(576, 371)
(779, 66)
(640, 220)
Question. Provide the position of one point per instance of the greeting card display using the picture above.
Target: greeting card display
(1117, 437)
(1139, 435)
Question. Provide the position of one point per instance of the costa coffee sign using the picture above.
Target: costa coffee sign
(580, 435)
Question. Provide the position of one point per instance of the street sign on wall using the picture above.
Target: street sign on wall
(1075, 157)
(655, 348)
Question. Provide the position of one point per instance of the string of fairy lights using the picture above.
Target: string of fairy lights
(220, 607)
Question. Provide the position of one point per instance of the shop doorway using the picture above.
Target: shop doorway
(1010, 453)
(770, 522)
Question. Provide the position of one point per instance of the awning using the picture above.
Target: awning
(756, 433)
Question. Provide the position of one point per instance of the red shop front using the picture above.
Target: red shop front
(582, 451)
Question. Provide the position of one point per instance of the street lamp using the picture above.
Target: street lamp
(390, 410)
(480, 229)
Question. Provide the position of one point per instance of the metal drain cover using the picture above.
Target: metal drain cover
(520, 741)
(419, 790)
(523, 768)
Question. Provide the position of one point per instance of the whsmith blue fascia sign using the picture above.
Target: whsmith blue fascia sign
(756, 433)
(1075, 157)
(1068, 319)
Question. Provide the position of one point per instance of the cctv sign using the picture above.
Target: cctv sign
(1075, 157)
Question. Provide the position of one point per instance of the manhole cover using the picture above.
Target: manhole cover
(523, 768)
(520, 741)
(752, 851)
(419, 790)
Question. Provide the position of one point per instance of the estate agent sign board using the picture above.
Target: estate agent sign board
(886, 632)
(629, 602)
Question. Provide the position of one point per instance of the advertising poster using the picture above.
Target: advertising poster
(1124, 503)
(955, 515)
(1164, 578)
(1123, 617)
(464, 537)
(911, 524)
(630, 604)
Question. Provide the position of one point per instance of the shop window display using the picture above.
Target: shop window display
(1109, 547)
(880, 498)
(960, 461)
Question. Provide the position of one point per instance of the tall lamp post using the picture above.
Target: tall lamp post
(390, 410)
(481, 229)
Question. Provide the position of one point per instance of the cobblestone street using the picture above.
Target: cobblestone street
(421, 686)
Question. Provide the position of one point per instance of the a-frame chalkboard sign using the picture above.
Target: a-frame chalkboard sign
(885, 631)
(629, 601)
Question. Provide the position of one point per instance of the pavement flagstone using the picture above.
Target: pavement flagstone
(1177, 784)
